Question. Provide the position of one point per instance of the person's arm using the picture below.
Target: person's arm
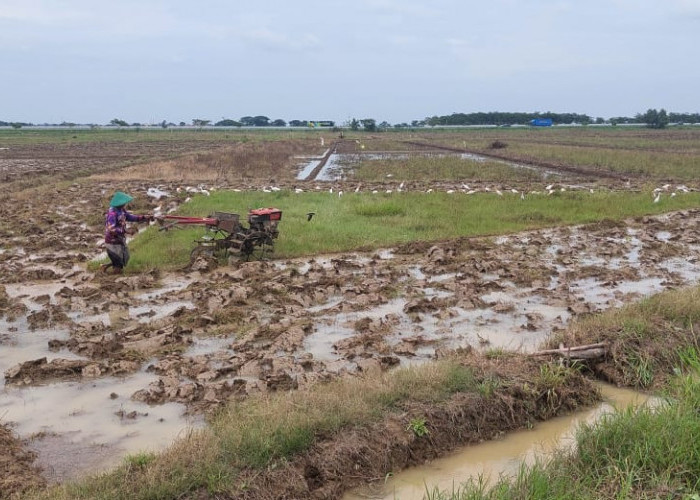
(137, 218)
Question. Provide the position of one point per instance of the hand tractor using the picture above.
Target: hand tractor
(229, 235)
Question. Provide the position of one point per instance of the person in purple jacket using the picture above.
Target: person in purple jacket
(116, 231)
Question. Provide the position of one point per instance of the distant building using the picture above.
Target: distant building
(541, 122)
(322, 123)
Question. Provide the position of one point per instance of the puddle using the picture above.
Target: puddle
(168, 285)
(25, 345)
(209, 345)
(152, 312)
(98, 413)
(498, 457)
(29, 292)
(306, 171)
(338, 163)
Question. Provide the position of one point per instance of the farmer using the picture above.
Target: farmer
(116, 231)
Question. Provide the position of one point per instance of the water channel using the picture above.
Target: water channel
(502, 457)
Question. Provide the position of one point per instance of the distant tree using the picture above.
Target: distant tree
(226, 122)
(616, 120)
(198, 122)
(118, 123)
(298, 123)
(16, 125)
(654, 118)
(599, 120)
(684, 117)
(182, 124)
(261, 121)
(354, 124)
(369, 124)
(255, 121)
(384, 125)
(163, 124)
(279, 123)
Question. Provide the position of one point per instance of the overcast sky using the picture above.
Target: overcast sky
(89, 61)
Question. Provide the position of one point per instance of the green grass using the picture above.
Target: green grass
(365, 221)
(644, 338)
(266, 429)
(447, 168)
(652, 452)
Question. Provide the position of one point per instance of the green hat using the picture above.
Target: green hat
(119, 199)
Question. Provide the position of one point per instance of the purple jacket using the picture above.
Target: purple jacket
(115, 225)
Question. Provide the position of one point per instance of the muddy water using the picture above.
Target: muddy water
(501, 457)
(89, 425)
(98, 418)
(337, 164)
(582, 273)
(347, 313)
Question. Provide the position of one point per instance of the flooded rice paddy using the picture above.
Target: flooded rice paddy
(108, 367)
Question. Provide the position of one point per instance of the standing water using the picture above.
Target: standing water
(496, 458)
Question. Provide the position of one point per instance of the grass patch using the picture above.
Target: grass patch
(644, 453)
(645, 338)
(267, 429)
(443, 167)
(369, 221)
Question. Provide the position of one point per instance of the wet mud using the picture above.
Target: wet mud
(134, 361)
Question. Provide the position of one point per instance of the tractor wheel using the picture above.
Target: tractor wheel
(256, 246)
(201, 251)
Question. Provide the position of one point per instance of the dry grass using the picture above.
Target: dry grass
(645, 339)
(243, 163)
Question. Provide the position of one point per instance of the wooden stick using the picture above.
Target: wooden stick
(565, 350)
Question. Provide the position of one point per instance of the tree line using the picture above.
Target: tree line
(652, 118)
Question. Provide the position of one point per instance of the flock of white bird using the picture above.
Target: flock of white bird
(466, 189)
(550, 189)
(666, 188)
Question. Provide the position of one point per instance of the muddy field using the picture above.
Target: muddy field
(94, 367)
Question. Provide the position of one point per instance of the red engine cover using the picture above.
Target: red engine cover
(273, 213)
